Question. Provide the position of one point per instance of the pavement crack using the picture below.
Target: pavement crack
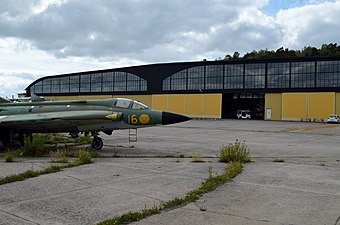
(19, 217)
(242, 217)
(285, 188)
(337, 221)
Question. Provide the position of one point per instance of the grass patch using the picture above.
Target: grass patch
(58, 156)
(279, 160)
(38, 147)
(181, 156)
(208, 185)
(237, 152)
(9, 157)
(130, 216)
(84, 158)
(197, 157)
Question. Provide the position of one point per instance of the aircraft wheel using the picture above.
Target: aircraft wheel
(97, 143)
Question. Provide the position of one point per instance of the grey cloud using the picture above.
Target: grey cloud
(153, 31)
(310, 25)
(126, 28)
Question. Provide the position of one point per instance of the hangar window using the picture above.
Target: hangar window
(38, 88)
(166, 84)
(278, 75)
(179, 80)
(74, 83)
(214, 77)
(108, 80)
(47, 85)
(303, 74)
(133, 82)
(255, 75)
(120, 81)
(196, 78)
(65, 84)
(233, 76)
(96, 82)
(85, 83)
(143, 85)
(328, 74)
(55, 85)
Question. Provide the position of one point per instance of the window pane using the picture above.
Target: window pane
(133, 82)
(96, 82)
(196, 78)
(328, 74)
(55, 88)
(74, 83)
(278, 75)
(47, 85)
(179, 80)
(255, 75)
(108, 79)
(303, 74)
(214, 77)
(65, 84)
(120, 81)
(233, 76)
(143, 85)
(85, 83)
(166, 84)
(38, 87)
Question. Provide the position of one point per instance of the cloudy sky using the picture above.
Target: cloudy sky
(49, 37)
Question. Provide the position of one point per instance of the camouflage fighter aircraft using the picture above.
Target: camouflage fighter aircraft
(89, 116)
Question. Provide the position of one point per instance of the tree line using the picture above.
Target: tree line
(328, 50)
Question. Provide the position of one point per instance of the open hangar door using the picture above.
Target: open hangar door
(232, 102)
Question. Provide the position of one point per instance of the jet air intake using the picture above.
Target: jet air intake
(115, 116)
(170, 118)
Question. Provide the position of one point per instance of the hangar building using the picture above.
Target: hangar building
(303, 89)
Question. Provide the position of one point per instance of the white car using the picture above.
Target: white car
(333, 119)
(243, 114)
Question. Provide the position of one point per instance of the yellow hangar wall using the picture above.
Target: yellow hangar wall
(192, 105)
(313, 106)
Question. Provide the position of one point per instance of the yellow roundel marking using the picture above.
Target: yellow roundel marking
(144, 119)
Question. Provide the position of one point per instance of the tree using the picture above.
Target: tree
(236, 55)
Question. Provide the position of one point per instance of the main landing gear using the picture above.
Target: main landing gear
(97, 142)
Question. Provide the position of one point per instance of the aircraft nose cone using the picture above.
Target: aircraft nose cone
(170, 118)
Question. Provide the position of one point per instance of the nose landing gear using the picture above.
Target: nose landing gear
(97, 142)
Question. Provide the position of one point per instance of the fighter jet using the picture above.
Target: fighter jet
(88, 116)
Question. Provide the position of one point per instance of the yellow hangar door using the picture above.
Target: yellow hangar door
(308, 106)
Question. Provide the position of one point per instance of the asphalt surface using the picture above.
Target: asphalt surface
(304, 189)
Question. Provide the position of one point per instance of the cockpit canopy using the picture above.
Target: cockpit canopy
(128, 104)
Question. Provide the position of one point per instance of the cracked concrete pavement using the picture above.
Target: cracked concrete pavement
(305, 189)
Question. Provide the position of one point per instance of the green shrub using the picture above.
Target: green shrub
(83, 140)
(37, 146)
(9, 157)
(237, 152)
(84, 156)
(58, 156)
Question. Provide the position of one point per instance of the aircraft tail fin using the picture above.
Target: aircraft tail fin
(36, 98)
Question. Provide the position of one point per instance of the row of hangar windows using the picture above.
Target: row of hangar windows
(313, 74)
(256, 76)
(94, 82)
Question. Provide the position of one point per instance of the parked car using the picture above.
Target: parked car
(243, 114)
(333, 119)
